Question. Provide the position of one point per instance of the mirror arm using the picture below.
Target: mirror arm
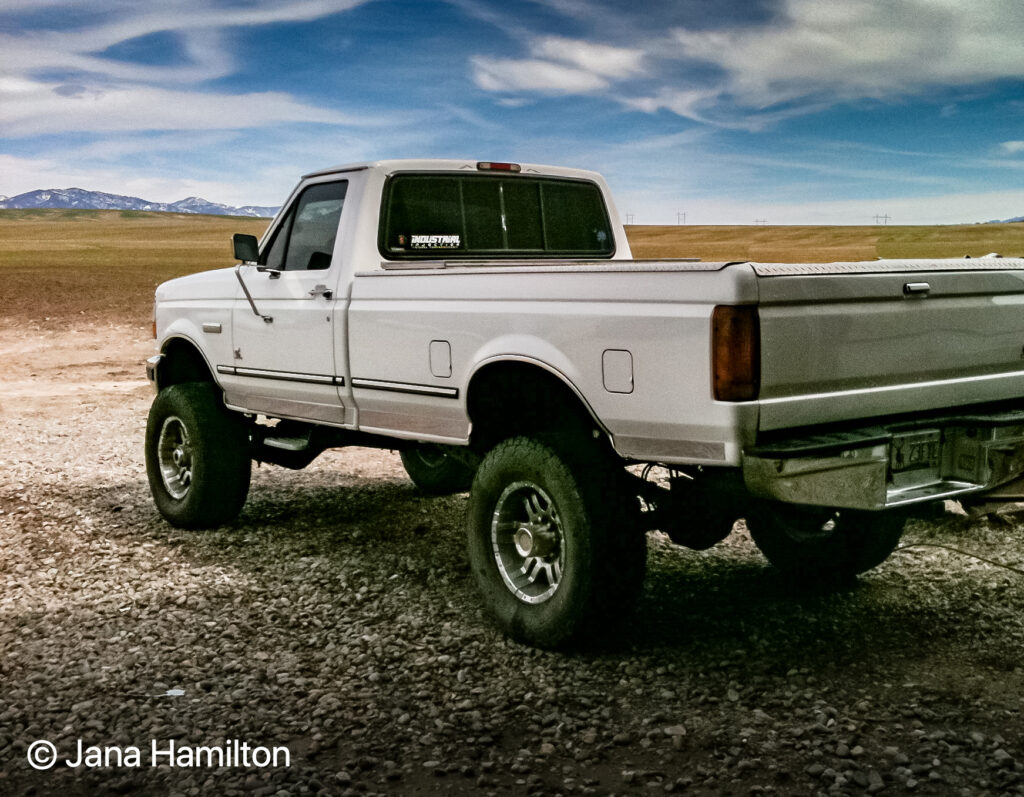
(266, 318)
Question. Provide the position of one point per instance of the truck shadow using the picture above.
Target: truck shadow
(695, 605)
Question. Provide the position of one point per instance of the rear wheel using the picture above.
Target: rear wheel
(197, 456)
(435, 470)
(552, 551)
(820, 544)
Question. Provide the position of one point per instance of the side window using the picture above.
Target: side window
(273, 255)
(305, 238)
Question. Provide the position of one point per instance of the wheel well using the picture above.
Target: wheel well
(182, 362)
(513, 398)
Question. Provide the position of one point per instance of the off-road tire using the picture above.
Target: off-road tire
(590, 567)
(818, 545)
(197, 456)
(435, 471)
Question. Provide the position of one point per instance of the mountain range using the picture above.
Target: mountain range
(80, 199)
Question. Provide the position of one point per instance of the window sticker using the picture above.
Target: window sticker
(435, 241)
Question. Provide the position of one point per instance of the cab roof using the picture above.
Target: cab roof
(449, 165)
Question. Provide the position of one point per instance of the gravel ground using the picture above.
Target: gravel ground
(337, 622)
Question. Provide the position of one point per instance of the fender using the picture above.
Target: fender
(157, 367)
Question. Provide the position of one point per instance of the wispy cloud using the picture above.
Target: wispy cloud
(804, 58)
(532, 74)
(102, 93)
(35, 108)
(615, 63)
(1012, 147)
(862, 49)
(559, 66)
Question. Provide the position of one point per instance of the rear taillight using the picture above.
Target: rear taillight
(735, 353)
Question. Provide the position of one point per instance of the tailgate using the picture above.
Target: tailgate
(846, 341)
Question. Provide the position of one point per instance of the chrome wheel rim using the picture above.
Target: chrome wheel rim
(528, 543)
(174, 454)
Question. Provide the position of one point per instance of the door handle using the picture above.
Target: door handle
(321, 290)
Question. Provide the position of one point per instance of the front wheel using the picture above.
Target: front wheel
(819, 544)
(197, 457)
(552, 552)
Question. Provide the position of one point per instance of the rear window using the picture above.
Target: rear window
(461, 215)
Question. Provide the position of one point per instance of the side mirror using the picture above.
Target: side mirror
(247, 247)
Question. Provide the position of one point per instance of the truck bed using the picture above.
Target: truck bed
(839, 342)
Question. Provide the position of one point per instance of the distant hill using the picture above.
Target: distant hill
(80, 199)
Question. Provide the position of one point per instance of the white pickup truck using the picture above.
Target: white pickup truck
(487, 321)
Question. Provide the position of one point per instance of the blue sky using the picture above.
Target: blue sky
(730, 111)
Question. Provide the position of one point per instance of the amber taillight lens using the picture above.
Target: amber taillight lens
(735, 352)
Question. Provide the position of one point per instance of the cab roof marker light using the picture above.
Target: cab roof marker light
(490, 166)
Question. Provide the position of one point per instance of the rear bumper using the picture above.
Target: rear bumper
(897, 465)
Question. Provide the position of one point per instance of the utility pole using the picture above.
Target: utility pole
(681, 215)
(761, 222)
(880, 218)
(629, 218)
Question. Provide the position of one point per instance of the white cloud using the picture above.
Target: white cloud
(688, 103)
(32, 108)
(109, 94)
(605, 60)
(560, 66)
(513, 75)
(811, 55)
(863, 48)
(134, 21)
(196, 23)
(1012, 147)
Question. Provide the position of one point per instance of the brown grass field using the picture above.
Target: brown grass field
(65, 268)
(825, 244)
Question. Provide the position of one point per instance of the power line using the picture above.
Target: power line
(883, 219)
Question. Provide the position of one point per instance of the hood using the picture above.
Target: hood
(207, 286)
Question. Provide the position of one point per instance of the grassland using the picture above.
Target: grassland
(825, 244)
(65, 268)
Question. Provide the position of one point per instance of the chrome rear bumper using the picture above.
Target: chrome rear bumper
(883, 467)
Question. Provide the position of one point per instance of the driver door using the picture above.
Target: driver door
(284, 366)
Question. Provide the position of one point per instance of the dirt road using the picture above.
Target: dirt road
(335, 626)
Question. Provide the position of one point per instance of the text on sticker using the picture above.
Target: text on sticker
(436, 241)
